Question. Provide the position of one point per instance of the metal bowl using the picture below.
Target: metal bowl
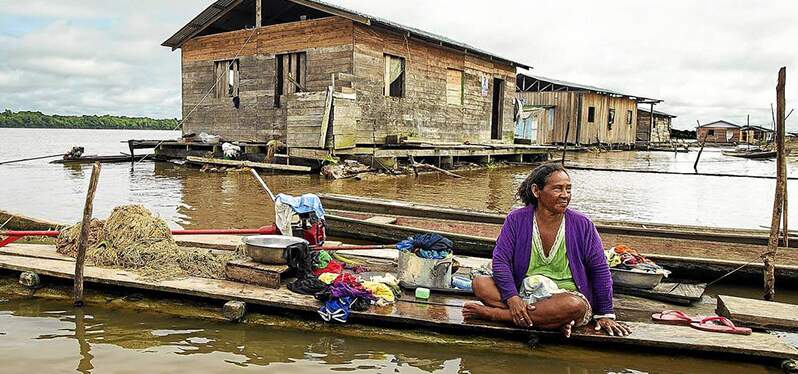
(635, 279)
(270, 249)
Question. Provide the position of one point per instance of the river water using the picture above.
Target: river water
(43, 336)
(51, 337)
(188, 198)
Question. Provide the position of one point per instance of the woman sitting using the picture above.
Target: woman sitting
(549, 269)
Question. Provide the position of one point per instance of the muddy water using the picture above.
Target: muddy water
(191, 199)
(51, 337)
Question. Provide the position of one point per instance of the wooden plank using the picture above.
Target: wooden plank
(325, 118)
(249, 164)
(381, 220)
(758, 313)
(676, 293)
(251, 272)
(408, 313)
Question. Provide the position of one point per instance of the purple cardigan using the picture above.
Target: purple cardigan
(583, 247)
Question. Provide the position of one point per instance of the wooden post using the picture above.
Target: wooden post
(781, 187)
(84, 235)
(258, 13)
(700, 151)
(651, 127)
(565, 142)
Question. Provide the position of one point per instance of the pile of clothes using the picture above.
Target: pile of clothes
(342, 292)
(626, 258)
(429, 246)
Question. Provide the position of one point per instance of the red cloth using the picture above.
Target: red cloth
(332, 267)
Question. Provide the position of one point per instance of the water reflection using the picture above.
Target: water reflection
(41, 334)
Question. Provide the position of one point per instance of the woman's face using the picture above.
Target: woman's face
(556, 194)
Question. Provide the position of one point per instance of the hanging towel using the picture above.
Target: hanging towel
(304, 204)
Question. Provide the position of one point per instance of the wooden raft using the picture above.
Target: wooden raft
(758, 313)
(444, 316)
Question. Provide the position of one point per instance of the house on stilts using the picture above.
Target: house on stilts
(325, 80)
(578, 114)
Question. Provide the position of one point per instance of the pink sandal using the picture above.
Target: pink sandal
(725, 326)
(674, 317)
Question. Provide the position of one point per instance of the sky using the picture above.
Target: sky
(708, 60)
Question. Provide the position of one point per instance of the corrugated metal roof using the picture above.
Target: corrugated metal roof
(656, 112)
(222, 6)
(585, 87)
(753, 127)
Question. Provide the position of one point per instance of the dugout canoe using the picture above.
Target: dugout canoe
(651, 230)
(103, 159)
(688, 258)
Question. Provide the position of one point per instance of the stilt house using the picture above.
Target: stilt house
(719, 132)
(321, 77)
(586, 114)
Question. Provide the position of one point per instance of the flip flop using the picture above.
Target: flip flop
(725, 326)
(674, 317)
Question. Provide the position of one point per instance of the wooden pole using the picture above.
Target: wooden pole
(781, 187)
(84, 235)
(30, 159)
(258, 13)
(700, 151)
(565, 142)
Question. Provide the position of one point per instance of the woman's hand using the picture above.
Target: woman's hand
(611, 327)
(520, 311)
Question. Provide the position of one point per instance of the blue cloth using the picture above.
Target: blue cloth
(336, 309)
(430, 246)
(304, 204)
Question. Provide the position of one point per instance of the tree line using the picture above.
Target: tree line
(26, 119)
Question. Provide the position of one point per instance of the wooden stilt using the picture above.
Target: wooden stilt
(700, 151)
(80, 259)
(565, 142)
(781, 187)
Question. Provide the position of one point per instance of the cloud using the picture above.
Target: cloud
(707, 60)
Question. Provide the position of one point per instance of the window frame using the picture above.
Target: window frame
(280, 84)
(462, 87)
(610, 118)
(629, 115)
(225, 88)
(387, 92)
(591, 114)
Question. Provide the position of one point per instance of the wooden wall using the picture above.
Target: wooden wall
(565, 109)
(327, 42)
(424, 113)
(719, 135)
(659, 133)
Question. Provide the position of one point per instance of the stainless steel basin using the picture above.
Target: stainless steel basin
(635, 279)
(270, 249)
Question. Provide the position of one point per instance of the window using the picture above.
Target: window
(228, 74)
(628, 117)
(610, 119)
(291, 72)
(394, 76)
(591, 114)
(454, 86)
(711, 133)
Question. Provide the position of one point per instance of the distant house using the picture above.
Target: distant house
(755, 134)
(719, 132)
(658, 131)
(587, 114)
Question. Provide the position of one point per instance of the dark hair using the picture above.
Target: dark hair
(538, 177)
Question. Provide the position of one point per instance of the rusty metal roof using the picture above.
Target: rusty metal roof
(220, 7)
(584, 87)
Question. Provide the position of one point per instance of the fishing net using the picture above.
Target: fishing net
(133, 238)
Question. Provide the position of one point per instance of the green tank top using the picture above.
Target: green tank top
(555, 266)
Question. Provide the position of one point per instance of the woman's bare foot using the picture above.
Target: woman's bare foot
(479, 311)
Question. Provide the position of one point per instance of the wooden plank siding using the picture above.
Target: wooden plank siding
(567, 109)
(355, 55)
(719, 134)
(327, 43)
(659, 133)
(423, 112)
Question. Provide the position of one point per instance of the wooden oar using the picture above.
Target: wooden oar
(30, 159)
(263, 184)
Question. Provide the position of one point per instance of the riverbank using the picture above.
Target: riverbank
(39, 120)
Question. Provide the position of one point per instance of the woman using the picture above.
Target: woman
(549, 269)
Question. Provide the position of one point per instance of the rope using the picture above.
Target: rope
(215, 83)
(759, 257)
